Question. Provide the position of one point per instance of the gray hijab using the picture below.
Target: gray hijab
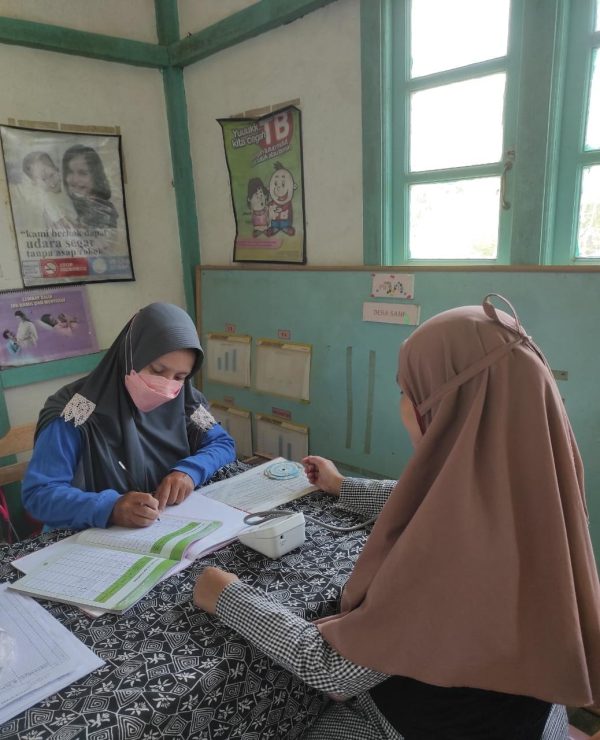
(112, 428)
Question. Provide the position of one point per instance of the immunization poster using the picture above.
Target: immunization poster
(48, 324)
(68, 206)
(264, 159)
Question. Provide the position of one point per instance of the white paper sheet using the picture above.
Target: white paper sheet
(198, 504)
(238, 423)
(162, 538)
(228, 359)
(283, 369)
(253, 491)
(47, 656)
(277, 438)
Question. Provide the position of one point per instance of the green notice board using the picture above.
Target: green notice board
(353, 409)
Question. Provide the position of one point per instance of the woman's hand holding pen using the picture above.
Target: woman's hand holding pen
(135, 509)
(173, 489)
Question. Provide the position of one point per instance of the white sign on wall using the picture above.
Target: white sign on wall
(392, 313)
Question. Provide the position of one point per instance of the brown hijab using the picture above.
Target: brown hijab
(479, 571)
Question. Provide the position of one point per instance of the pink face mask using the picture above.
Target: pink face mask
(151, 391)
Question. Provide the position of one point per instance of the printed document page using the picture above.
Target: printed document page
(167, 537)
(197, 505)
(45, 659)
(253, 491)
(90, 576)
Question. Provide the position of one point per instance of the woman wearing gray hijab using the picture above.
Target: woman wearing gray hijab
(130, 438)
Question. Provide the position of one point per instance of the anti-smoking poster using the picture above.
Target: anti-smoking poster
(264, 159)
(68, 206)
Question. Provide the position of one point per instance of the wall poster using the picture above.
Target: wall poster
(264, 159)
(46, 324)
(68, 206)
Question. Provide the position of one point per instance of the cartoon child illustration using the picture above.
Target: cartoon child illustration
(258, 196)
(56, 209)
(281, 188)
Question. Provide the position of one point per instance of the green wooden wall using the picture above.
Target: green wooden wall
(354, 363)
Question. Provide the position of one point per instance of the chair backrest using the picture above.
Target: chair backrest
(18, 439)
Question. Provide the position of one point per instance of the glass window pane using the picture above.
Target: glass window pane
(592, 137)
(446, 35)
(455, 220)
(588, 237)
(457, 124)
(597, 15)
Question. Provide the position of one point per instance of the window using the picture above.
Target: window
(578, 188)
(449, 173)
(486, 150)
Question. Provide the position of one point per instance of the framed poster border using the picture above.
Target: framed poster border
(75, 269)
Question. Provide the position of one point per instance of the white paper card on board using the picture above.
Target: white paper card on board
(392, 285)
(283, 368)
(238, 422)
(276, 438)
(392, 313)
(228, 359)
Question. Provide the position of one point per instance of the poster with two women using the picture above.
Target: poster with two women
(264, 159)
(68, 206)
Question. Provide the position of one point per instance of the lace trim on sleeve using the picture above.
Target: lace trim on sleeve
(203, 419)
(78, 410)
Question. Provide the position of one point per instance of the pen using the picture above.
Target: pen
(132, 483)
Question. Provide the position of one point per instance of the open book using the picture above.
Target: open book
(113, 568)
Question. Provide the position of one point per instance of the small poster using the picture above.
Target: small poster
(264, 159)
(392, 285)
(42, 325)
(68, 206)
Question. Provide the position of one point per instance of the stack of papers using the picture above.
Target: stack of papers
(45, 658)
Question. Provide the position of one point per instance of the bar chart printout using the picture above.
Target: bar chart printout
(228, 359)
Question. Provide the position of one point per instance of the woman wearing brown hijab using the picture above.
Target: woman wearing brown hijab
(473, 611)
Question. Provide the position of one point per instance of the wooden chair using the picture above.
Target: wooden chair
(18, 439)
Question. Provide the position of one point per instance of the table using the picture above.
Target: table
(173, 671)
